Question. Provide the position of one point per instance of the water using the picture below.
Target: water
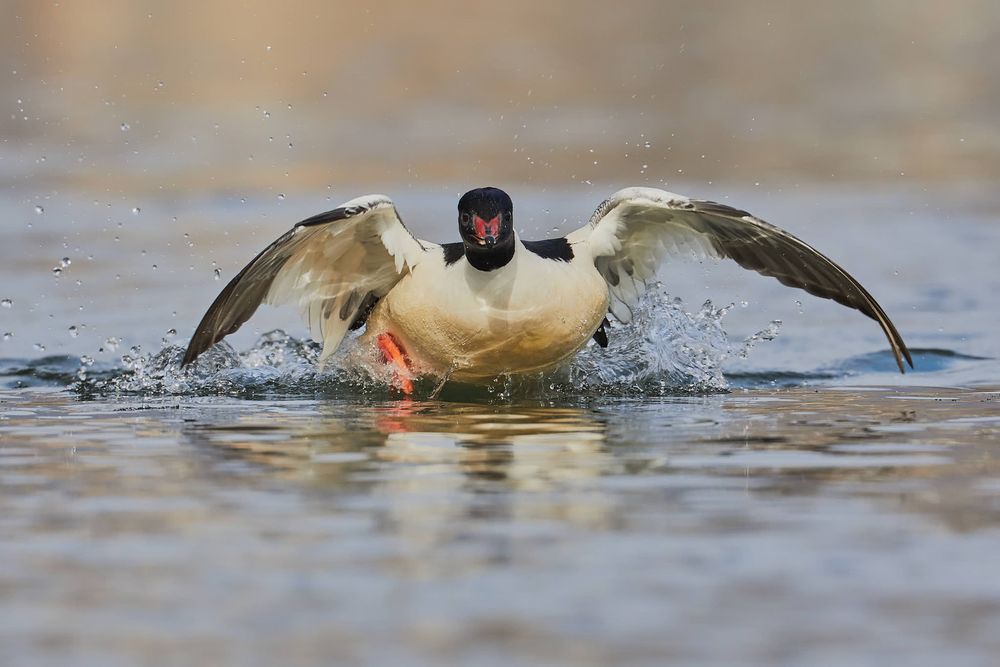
(712, 489)
(392, 532)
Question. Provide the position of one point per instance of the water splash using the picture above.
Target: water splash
(276, 364)
(282, 366)
(665, 350)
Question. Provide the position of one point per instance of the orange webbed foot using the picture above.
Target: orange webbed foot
(392, 353)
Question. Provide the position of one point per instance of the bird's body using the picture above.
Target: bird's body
(494, 304)
(530, 314)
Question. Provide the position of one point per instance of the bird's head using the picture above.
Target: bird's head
(486, 222)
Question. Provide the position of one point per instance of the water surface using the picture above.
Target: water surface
(803, 526)
(777, 499)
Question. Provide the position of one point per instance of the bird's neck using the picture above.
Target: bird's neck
(494, 258)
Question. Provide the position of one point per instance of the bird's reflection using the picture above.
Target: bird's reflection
(421, 465)
(523, 445)
(494, 443)
(433, 474)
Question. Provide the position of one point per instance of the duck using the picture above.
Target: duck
(493, 303)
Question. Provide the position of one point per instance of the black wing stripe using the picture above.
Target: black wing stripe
(557, 249)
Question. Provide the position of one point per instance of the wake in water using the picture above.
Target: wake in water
(665, 350)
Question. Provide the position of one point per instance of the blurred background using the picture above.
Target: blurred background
(172, 97)
(153, 145)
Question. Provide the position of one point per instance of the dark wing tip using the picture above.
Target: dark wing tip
(238, 301)
(854, 296)
(191, 353)
(200, 341)
(899, 348)
(207, 335)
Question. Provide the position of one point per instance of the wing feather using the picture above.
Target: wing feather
(330, 265)
(638, 227)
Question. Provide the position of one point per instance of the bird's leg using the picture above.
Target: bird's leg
(437, 389)
(392, 353)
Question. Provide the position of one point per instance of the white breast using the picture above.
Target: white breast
(531, 314)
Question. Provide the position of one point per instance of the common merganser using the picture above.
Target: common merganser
(493, 303)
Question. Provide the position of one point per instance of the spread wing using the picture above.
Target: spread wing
(632, 231)
(333, 266)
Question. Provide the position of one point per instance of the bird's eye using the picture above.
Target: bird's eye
(465, 218)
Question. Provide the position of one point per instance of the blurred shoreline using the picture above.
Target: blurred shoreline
(154, 96)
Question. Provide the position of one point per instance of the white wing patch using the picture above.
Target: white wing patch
(331, 266)
(344, 263)
(632, 231)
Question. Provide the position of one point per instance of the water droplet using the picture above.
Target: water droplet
(125, 127)
(64, 262)
(155, 267)
(136, 210)
(6, 303)
(218, 274)
(111, 344)
(647, 144)
(281, 196)
(7, 335)
(267, 48)
(171, 332)
(39, 347)
(87, 360)
(39, 209)
(744, 304)
(798, 306)
(73, 331)
(56, 271)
